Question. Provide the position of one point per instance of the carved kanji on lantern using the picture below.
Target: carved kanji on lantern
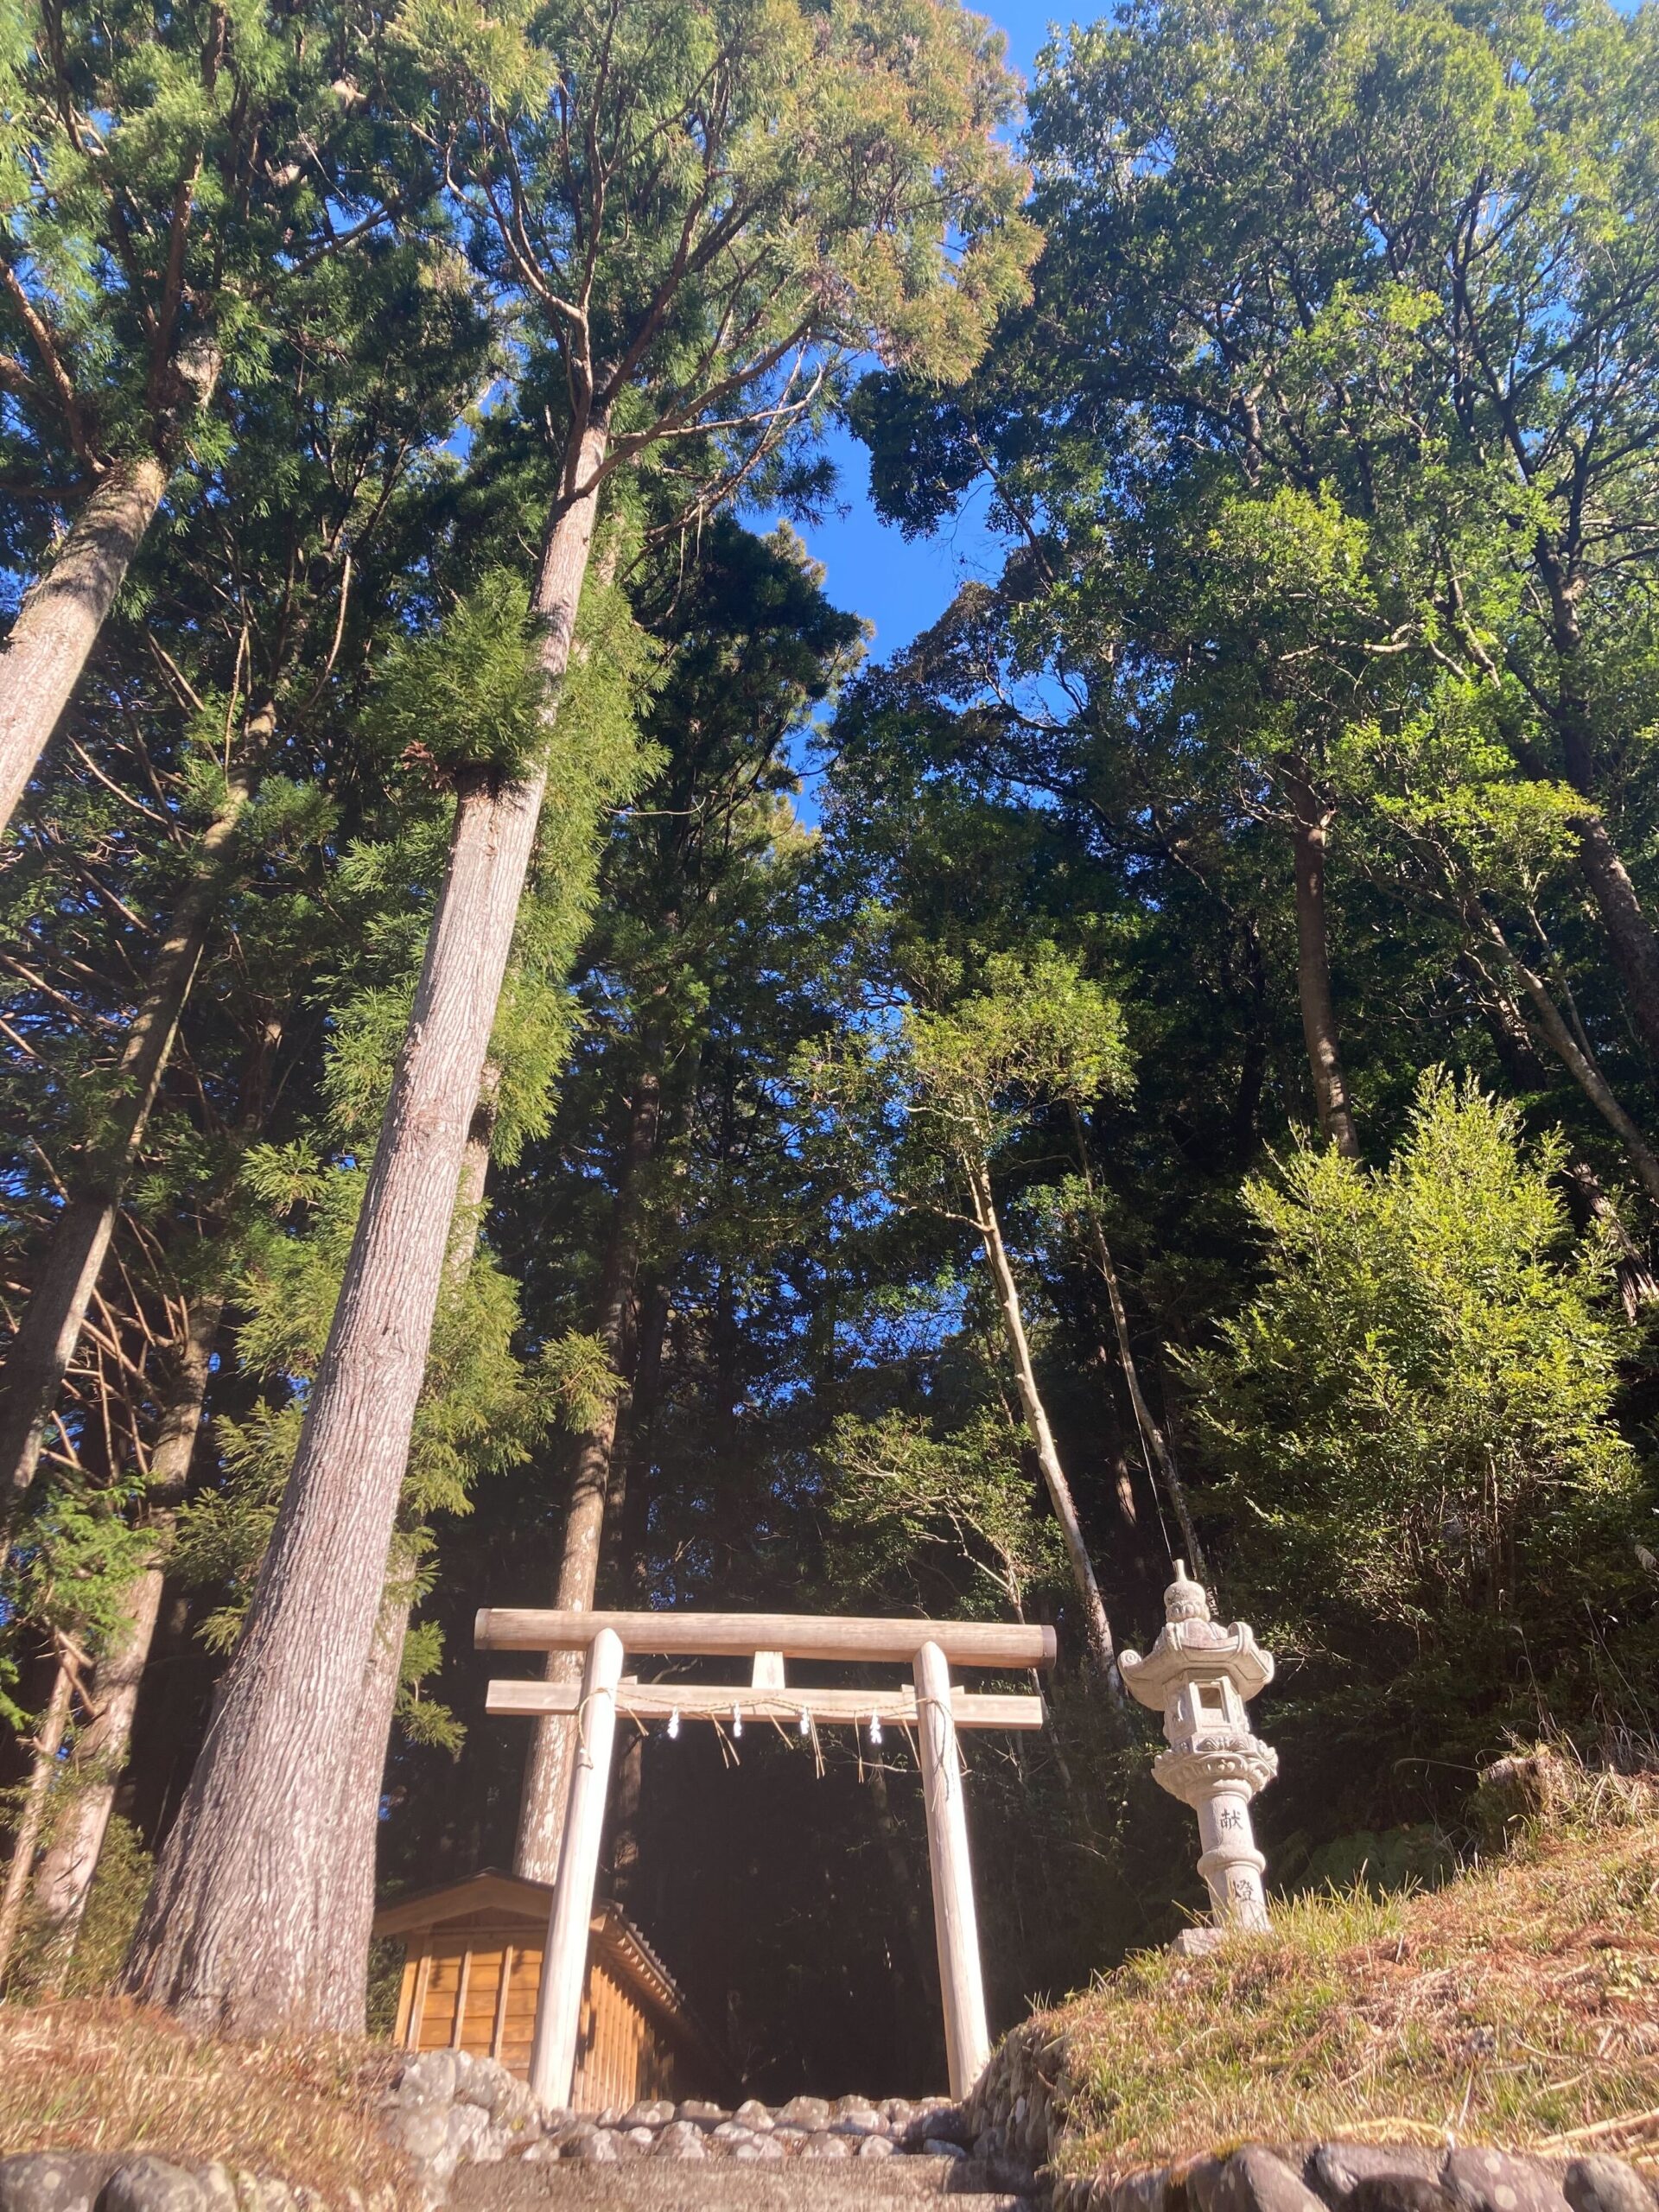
(1202, 1675)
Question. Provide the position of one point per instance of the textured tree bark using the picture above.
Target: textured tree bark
(49, 1741)
(547, 1761)
(1590, 1204)
(352, 1909)
(1103, 1651)
(1630, 933)
(44, 1346)
(61, 616)
(67, 1871)
(238, 1927)
(1309, 821)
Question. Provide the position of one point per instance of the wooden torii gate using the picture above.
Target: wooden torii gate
(934, 1708)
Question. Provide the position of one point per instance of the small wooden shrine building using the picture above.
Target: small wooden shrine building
(473, 1973)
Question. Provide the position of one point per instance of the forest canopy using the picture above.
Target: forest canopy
(542, 1069)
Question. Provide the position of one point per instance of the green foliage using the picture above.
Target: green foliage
(386, 1956)
(576, 1371)
(44, 1965)
(1412, 1421)
(114, 1905)
(469, 694)
(1037, 1031)
(80, 1553)
(901, 1491)
(479, 1413)
(978, 1046)
(1394, 1860)
(776, 176)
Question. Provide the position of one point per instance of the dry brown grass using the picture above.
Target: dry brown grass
(1518, 2005)
(98, 2073)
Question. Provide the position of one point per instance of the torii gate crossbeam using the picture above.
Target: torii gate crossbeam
(933, 1707)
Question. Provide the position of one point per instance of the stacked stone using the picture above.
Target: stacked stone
(1367, 2177)
(806, 2128)
(122, 2181)
(1015, 2119)
(1015, 2114)
(448, 2108)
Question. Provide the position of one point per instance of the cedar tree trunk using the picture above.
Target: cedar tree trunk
(1309, 821)
(239, 1928)
(350, 1908)
(352, 1911)
(1101, 1650)
(547, 1762)
(44, 1346)
(61, 616)
(65, 1872)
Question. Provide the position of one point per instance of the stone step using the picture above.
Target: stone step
(721, 2185)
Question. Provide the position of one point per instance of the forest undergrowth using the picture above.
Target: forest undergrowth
(95, 2074)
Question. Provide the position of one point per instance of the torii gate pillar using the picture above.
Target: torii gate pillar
(935, 1709)
(564, 1958)
(955, 1925)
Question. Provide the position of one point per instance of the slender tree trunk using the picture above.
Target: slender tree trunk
(1578, 1064)
(1103, 1651)
(623, 1870)
(48, 1742)
(1505, 1024)
(1630, 933)
(547, 1761)
(1253, 1067)
(61, 616)
(44, 1346)
(65, 1872)
(1151, 1433)
(1591, 1206)
(238, 1928)
(628, 1522)
(1309, 821)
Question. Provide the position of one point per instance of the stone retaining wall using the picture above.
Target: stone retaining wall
(1017, 2114)
(448, 2108)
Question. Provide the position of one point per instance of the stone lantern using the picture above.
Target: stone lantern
(1201, 1676)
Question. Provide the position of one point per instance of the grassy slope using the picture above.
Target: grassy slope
(97, 2074)
(1519, 2006)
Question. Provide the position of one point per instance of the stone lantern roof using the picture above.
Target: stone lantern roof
(1190, 1643)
